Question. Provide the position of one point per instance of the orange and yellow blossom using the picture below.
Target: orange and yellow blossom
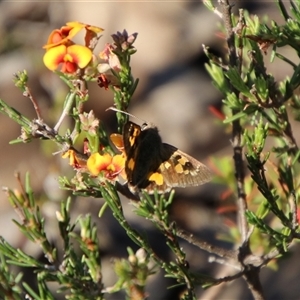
(80, 25)
(61, 36)
(91, 32)
(75, 160)
(67, 32)
(111, 166)
(71, 57)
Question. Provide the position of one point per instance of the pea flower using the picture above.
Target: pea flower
(110, 58)
(76, 160)
(107, 69)
(89, 123)
(109, 166)
(70, 57)
(67, 32)
(61, 50)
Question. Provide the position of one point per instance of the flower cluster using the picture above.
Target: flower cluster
(100, 164)
(61, 50)
(112, 69)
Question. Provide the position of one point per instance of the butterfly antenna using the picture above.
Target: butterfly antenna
(124, 112)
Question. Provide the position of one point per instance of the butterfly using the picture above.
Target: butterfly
(153, 165)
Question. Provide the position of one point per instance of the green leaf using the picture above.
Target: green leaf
(235, 79)
(235, 117)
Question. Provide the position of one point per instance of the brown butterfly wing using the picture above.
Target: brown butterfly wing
(142, 149)
(178, 169)
(182, 170)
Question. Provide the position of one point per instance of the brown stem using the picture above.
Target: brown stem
(251, 275)
(27, 93)
(236, 126)
(228, 254)
(252, 279)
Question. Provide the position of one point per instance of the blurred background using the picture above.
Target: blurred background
(174, 93)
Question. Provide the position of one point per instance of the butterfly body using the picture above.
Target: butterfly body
(151, 164)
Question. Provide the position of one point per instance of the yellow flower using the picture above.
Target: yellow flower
(75, 160)
(71, 57)
(110, 166)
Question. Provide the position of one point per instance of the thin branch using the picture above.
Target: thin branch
(293, 209)
(27, 93)
(216, 291)
(253, 281)
(67, 108)
(271, 255)
(222, 261)
(251, 273)
(228, 254)
(236, 126)
(230, 277)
